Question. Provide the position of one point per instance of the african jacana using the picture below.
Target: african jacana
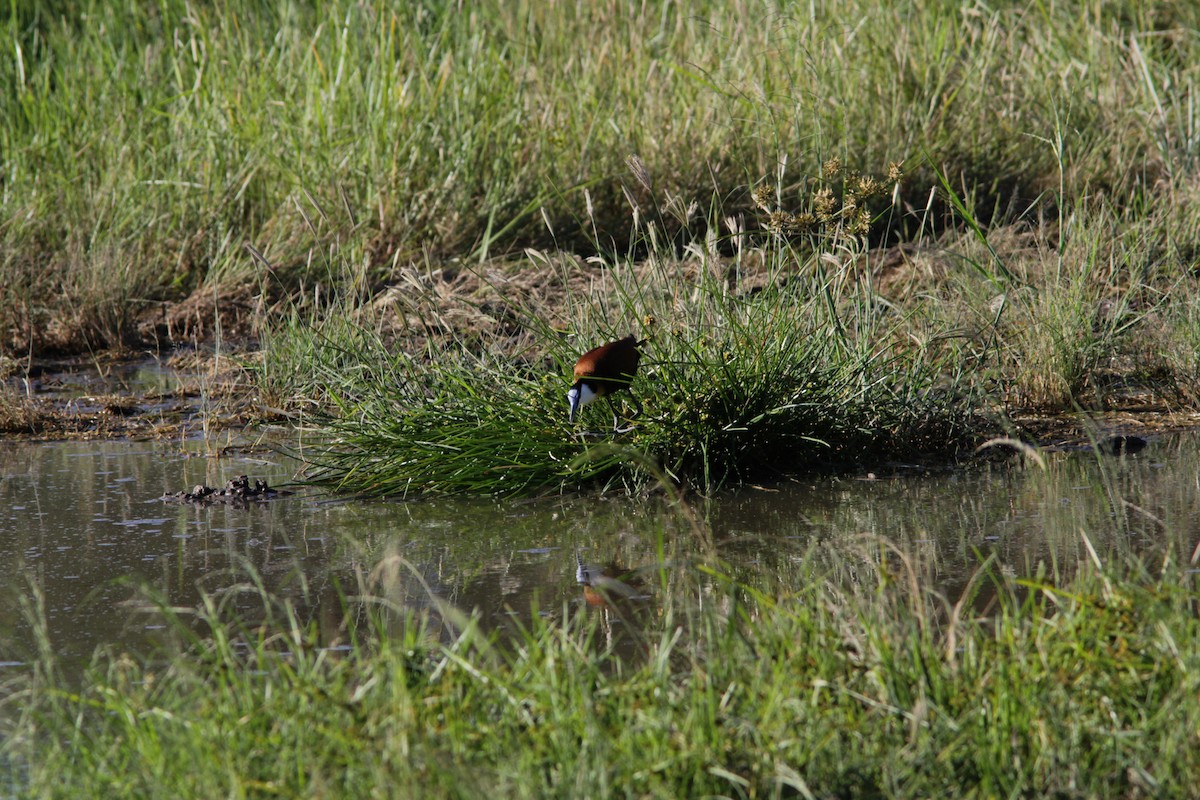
(603, 370)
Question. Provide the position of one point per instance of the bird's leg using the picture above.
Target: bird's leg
(584, 434)
(613, 409)
(616, 419)
(637, 403)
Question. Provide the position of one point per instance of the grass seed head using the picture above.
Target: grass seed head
(823, 203)
(780, 222)
(868, 187)
(762, 197)
(804, 221)
(861, 224)
(638, 168)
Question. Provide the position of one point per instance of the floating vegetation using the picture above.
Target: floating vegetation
(236, 491)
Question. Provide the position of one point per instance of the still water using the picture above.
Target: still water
(84, 531)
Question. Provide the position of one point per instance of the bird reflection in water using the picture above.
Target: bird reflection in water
(607, 584)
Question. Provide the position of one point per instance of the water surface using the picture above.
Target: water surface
(83, 527)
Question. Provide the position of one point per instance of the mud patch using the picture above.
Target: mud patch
(190, 394)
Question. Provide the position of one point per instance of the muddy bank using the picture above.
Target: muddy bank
(201, 394)
(175, 384)
(188, 394)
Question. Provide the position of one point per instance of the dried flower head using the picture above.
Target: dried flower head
(860, 225)
(849, 208)
(831, 168)
(762, 197)
(823, 203)
(649, 320)
(869, 187)
(780, 222)
(895, 171)
(804, 221)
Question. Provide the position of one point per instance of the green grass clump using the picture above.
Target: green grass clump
(815, 689)
(800, 371)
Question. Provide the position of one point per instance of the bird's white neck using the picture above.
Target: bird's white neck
(585, 392)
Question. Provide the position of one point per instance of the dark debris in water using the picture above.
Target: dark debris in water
(237, 490)
(1122, 445)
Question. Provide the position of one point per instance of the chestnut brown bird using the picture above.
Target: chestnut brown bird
(603, 370)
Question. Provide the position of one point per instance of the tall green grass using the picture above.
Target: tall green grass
(802, 686)
(141, 145)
